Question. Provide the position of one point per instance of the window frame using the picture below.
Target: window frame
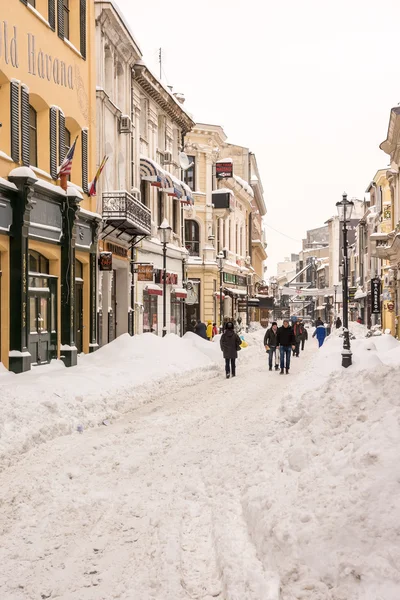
(191, 170)
(33, 145)
(66, 18)
(192, 244)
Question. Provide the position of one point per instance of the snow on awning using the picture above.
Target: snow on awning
(179, 292)
(188, 195)
(178, 189)
(153, 289)
(233, 292)
(152, 172)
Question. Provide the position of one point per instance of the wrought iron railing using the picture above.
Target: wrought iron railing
(122, 205)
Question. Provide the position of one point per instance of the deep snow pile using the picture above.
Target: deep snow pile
(52, 400)
(323, 510)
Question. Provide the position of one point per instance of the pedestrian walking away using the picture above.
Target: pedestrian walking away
(210, 331)
(271, 345)
(304, 337)
(298, 331)
(338, 323)
(215, 330)
(320, 334)
(286, 342)
(230, 345)
(201, 329)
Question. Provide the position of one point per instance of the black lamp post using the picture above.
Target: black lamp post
(165, 234)
(345, 208)
(220, 263)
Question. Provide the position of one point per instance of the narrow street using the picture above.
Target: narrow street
(150, 507)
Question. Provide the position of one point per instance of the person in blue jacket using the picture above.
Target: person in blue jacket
(320, 333)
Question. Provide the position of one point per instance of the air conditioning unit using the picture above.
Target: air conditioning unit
(124, 124)
(167, 158)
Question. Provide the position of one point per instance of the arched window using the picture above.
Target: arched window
(38, 263)
(192, 237)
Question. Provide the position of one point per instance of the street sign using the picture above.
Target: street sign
(376, 295)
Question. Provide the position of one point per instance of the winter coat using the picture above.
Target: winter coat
(338, 323)
(298, 331)
(270, 338)
(320, 333)
(200, 329)
(230, 343)
(215, 331)
(286, 337)
(209, 330)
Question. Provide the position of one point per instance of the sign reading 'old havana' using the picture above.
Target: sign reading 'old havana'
(376, 295)
(16, 49)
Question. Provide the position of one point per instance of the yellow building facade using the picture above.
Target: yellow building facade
(223, 231)
(48, 235)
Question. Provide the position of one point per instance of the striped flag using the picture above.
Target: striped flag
(66, 166)
(93, 184)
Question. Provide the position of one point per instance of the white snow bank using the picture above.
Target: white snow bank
(322, 505)
(53, 400)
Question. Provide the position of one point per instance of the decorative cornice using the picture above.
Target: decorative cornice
(162, 97)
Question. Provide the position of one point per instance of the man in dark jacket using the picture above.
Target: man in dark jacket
(230, 344)
(271, 344)
(201, 329)
(286, 342)
(338, 323)
(304, 337)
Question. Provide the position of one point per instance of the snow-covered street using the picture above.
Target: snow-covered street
(263, 487)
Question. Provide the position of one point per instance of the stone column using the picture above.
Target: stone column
(69, 352)
(19, 356)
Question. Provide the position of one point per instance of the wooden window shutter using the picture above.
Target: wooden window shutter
(51, 13)
(85, 160)
(25, 126)
(82, 20)
(60, 18)
(61, 137)
(53, 142)
(14, 102)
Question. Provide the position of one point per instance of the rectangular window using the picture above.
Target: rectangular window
(33, 137)
(66, 18)
(175, 216)
(190, 174)
(67, 144)
(144, 195)
(160, 207)
(143, 117)
(161, 133)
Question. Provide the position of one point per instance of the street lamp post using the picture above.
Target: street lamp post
(165, 234)
(220, 263)
(344, 209)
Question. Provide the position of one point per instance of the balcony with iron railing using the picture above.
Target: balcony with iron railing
(123, 211)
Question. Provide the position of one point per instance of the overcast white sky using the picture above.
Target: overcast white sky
(306, 86)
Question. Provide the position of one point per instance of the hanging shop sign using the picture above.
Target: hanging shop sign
(376, 295)
(224, 170)
(352, 293)
(242, 305)
(171, 278)
(105, 261)
(145, 272)
(229, 278)
(390, 306)
(117, 250)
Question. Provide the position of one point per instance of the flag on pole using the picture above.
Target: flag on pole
(93, 184)
(66, 166)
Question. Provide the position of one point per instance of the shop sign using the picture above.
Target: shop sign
(145, 272)
(376, 295)
(390, 306)
(192, 289)
(171, 278)
(352, 293)
(240, 280)
(117, 250)
(224, 170)
(242, 306)
(229, 278)
(105, 261)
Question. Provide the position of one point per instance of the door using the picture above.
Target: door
(79, 316)
(39, 323)
(112, 315)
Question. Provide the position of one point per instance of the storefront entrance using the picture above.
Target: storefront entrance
(150, 312)
(79, 306)
(42, 311)
(112, 316)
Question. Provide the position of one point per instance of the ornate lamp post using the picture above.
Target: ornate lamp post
(345, 208)
(221, 263)
(165, 235)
